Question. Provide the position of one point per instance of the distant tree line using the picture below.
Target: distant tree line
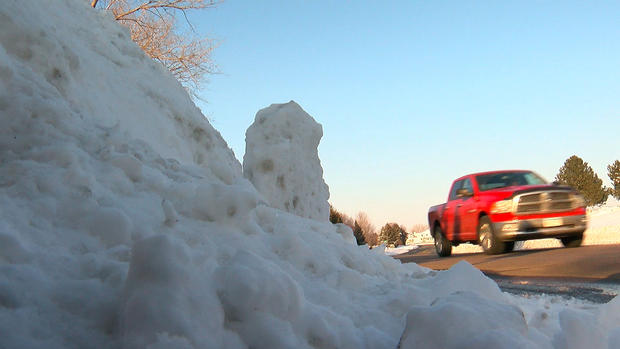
(391, 234)
(363, 229)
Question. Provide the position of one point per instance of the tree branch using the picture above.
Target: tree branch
(153, 27)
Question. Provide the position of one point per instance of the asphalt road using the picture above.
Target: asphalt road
(587, 272)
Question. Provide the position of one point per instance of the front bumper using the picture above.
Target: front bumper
(540, 228)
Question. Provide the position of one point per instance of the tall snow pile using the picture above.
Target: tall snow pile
(282, 161)
(125, 222)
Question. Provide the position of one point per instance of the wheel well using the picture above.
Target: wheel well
(435, 225)
(480, 215)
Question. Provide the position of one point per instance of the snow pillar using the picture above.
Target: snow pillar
(281, 160)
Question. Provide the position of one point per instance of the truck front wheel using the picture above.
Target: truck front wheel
(443, 247)
(486, 237)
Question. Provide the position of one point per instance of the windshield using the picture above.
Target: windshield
(507, 179)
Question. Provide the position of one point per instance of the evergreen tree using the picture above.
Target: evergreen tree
(391, 234)
(403, 234)
(359, 234)
(334, 216)
(579, 175)
(613, 171)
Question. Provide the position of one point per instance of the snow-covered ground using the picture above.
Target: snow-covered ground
(126, 222)
(392, 251)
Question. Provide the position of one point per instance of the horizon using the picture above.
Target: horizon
(414, 95)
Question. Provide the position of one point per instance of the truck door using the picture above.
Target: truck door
(468, 213)
(452, 225)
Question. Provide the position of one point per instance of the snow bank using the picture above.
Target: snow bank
(465, 320)
(281, 160)
(126, 223)
(393, 251)
(604, 224)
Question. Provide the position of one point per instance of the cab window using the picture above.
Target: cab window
(457, 185)
(467, 185)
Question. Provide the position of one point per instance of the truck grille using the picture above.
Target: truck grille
(543, 202)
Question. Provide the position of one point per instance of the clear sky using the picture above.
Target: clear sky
(412, 94)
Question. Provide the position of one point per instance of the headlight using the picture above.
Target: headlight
(503, 206)
(578, 201)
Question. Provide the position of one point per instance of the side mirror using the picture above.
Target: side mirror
(464, 193)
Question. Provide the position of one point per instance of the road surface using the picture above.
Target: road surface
(587, 272)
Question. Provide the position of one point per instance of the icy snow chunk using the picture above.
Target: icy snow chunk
(609, 315)
(464, 277)
(169, 212)
(165, 341)
(250, 284)
(130, 165)
(110, 225)
(223, 203)
(465, 320)
(12, 250)
(346, 232)
(281, 160)
(614, 338)
(61, 155)
(166, 292)
(579, 330)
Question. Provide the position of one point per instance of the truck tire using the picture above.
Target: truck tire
(572, 241)
(443, 247)
(487, 239)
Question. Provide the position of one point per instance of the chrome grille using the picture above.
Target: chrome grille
(558, 195)
(543, 202)
(529, 207)
(561, 205)
(531, 198)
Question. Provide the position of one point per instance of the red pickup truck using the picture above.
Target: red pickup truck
(495, 209)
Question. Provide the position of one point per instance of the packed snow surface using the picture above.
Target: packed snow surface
(282, 161)
(126, 222)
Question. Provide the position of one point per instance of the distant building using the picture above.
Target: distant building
(423, 238)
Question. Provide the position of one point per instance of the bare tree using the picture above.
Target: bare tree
(418, 228)
(372, 238)
(153, 26)
(368, 229)
(347, 220)
(364, 222)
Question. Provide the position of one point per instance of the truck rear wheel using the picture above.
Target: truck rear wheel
(573, 241)
(486, 238)
(443, 247)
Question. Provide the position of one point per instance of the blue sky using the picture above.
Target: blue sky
(412, 94)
